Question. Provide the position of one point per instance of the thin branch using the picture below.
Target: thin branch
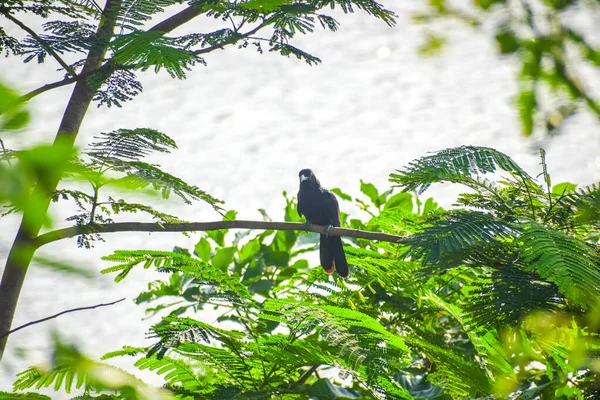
(5, 151)
(307, 374)
(64, 82)
(59, 314)
(41, 41)
(244, 36)
(73, 231)
(165, 26)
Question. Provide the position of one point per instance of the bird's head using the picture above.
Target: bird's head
(306, 175)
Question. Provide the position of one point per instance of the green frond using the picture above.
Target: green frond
(162, 260)
(239, 369)
(121, 86)
(455, 165)
(177, 373)
(77, 196)
(584, 203)
(119, 206)
(133, 14)
(23, 396)
(9, 44)
(294, 17)
(505, 296)
(458, 374)
(167, 183)
(128, 145)
(486, 344)
(569, 263)
(217, 38)
(356, 337)
(371, 7)
(456, 236)
(145, 49)
(125, 351)
(286, 50)
(251, 10)
(218, 282)
(174, 331)
(122, 151)
(68, 375)
(382, 268)
(63, 37)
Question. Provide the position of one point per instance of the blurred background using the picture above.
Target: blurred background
(247, 123)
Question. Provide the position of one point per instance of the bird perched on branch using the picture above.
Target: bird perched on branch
(319, 206)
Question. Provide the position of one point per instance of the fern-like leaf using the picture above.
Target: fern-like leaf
(454, 165)
(570, 264)
(129, 145)
(152, 49)
(453, 236)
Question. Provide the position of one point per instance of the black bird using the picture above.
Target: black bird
(319, 206)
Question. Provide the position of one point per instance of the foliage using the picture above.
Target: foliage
(493, 298)
(547, 43)
(115, 160)
(137, 47)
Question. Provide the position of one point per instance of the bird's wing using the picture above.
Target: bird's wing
(300, 203)
(331, 208)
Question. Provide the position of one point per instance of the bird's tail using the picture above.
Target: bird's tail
(331, 252)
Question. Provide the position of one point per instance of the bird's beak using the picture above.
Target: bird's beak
(303, 178)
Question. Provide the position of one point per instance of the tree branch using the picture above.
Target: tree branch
(65, 233)
(59, 314)
(245, 35)
(165, 26)
(42, 42)
(307, 374)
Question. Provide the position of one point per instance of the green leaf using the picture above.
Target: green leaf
(202, 249)
(507, 41)
(276, 258)
(341, 195)
(459, 164)
(433, 45)
(249, 250)
(371, 192)
(564, 188)
(223, 257)
(573, 265)
(286, 50)
(255, 269)
(218, 236)
(429, 206)
(262, 287)
(527, 105)
(17, 120)
(401, 202)
(145, 49)
(265, 6)
(487, 4)
(230, 215)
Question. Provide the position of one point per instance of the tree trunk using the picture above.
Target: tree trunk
(22, 251)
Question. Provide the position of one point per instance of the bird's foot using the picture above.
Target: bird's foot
(327, 230)
(307, 226)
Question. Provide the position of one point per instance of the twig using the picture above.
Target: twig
(59, 314)
(59, 234)
(307, 374)
(5, 153)
(165, 26)
(244, 36)
(41, 41)
(57, 84)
